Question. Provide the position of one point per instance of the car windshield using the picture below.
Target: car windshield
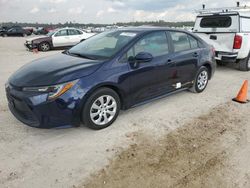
(104, 45)
(49, 34)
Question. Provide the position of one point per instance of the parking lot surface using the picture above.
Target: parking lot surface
(33, 157)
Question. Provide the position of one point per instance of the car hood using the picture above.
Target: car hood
(53, 70)
(35, 38)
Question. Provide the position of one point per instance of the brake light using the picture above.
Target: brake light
(213, 50)
(237, 41)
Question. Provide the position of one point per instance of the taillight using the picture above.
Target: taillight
(237, 41)
(213, 50)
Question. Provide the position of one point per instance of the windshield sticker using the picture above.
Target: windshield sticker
(127, 34)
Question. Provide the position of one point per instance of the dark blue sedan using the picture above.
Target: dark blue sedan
(115, 70)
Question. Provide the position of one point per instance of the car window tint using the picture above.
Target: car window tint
(108, 42)
(104, 45)
(79, 32)
(154, 43)
(216, 22)
(193, 42)
(180, 41)
(61, 33)
(73, 32)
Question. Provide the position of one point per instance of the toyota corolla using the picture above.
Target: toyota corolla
(90, 83)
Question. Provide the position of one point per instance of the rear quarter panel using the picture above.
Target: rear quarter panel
(243, 52)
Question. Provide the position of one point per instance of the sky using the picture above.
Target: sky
(105, 11)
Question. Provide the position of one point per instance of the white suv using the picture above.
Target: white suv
(228, 30)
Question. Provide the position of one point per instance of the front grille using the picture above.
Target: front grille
(21, 110)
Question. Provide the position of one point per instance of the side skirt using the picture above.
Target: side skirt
(159, 97)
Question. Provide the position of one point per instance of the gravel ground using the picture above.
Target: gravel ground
(33, 157)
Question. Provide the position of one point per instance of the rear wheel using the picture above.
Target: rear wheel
(201, 80)
(244, 64)
(24, 35)
(101, 109)
(5, 35)
(44, 47)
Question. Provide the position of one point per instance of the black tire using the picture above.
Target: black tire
(88, 109)
(5, 35)
(244, 64)
(44, 46)
(25, 35)
(197, 86)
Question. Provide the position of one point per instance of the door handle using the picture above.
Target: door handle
(169, 61)
(195, 54)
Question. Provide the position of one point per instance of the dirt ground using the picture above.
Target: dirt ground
(217, 148)
(212, 150)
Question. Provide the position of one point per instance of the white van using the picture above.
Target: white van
(228, 30)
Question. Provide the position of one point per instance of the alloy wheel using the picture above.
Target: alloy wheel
(202, 80)
(103, 110)
(44, 47)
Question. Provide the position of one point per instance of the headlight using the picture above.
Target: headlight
(53, 91)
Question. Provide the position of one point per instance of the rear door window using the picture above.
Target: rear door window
(182, 41)
(73, 32)
(154, 43)
(216, 22)
(61, 33)
(193, 42)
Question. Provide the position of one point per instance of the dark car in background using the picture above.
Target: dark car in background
(15, 31)
(113, 70)
(2, 29)
(42, 31)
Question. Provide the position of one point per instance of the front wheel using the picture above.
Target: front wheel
(44, 47)
(201, 80)
(101, 109)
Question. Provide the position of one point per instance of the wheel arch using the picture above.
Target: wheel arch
(115, 88)
(209, 67)
(112, 86)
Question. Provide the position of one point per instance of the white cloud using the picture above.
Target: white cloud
(76, 10)
(53, 1)
(105, 11)
(34, 10)
(176, 13)
(100, 13)
(52, 10)
(119, 4)
(112, 10)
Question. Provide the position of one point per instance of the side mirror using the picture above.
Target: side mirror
(143, 57)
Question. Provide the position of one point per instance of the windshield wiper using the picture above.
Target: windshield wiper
(79, 55)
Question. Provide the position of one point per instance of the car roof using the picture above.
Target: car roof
(149, 28)
(68, 28)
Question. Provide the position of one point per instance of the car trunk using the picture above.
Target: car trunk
(222, 42)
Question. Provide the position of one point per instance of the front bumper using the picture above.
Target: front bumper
(229, 57)
(34, 110)
(30, 46)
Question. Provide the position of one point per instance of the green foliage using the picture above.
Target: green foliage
(160, 23)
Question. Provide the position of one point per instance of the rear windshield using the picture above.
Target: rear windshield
(216, 22)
